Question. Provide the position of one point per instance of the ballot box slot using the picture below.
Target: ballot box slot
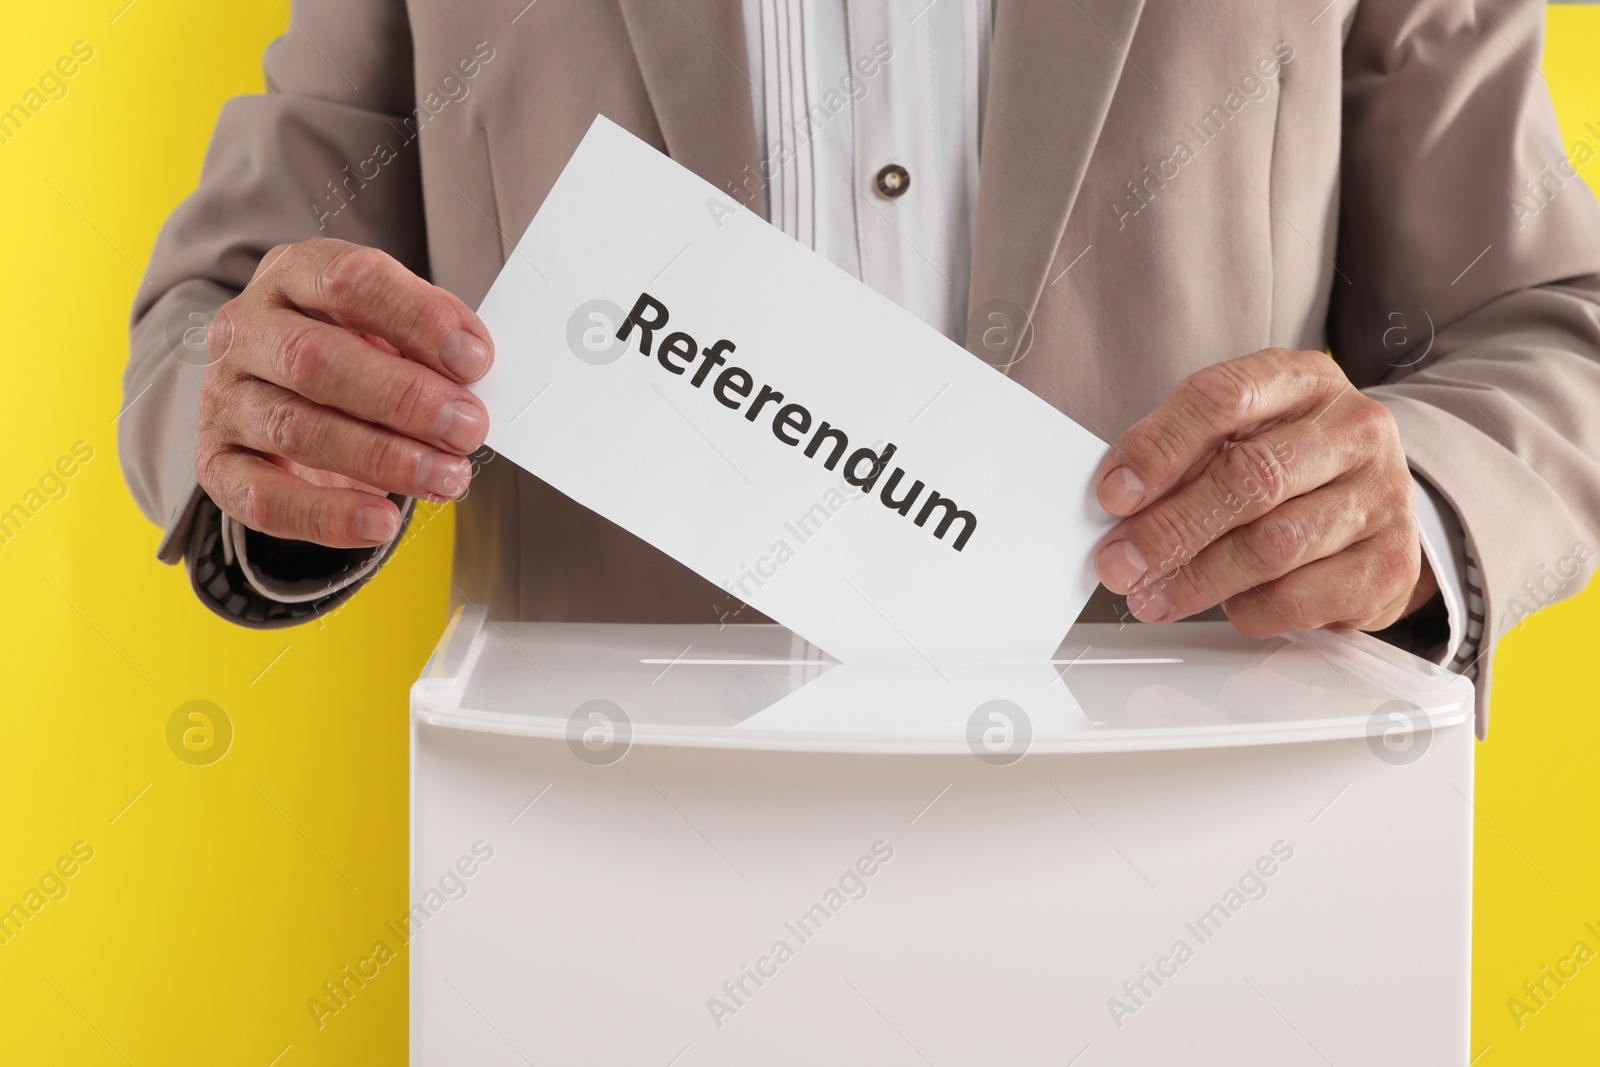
(1108, 688)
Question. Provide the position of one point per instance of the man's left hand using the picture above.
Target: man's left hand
(1272, 486)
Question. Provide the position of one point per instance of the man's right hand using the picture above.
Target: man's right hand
(335, 379)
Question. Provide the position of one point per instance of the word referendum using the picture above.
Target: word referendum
(52, 486)
(454, 89)
(52, 86)
(52, 886)
(733, 385)
(1252, 886)
(851, 885)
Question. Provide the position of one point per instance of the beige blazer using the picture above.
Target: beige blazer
(1398, 195)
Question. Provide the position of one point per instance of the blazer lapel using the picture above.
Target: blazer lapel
(1054, 67)
(694, 59)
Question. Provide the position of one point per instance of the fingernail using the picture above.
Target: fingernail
(461, 425)
(1121, 491)
(442, 475)
(1147, 603)
(375, 524)
(1121, 565)
(465, 356)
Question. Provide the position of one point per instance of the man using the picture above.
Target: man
(1158, 216)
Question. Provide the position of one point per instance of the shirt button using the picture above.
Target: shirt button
(892, 181)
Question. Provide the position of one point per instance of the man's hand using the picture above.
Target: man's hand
(335, 379)
(1270, 485)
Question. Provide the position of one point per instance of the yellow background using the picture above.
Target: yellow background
(222, 897)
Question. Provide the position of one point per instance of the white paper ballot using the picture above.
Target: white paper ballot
(669, 360)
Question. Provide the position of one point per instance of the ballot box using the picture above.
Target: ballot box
(690, 845)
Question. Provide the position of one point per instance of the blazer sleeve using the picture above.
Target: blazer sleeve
(1467, 297)
(282, 166)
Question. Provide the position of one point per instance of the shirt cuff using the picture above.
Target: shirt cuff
(293, 572)
(1444, 545)
(221, 585)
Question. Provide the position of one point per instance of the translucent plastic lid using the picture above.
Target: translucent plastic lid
(1108, 688)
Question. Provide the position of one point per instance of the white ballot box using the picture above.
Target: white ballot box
(693, 845)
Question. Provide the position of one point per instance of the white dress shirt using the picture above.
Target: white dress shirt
(843, 90)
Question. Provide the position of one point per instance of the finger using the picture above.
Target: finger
(1364, 586)
(334, 367)
(1241, 483)
(1222, 402)
(1299, 532)
(269, 261)
(280, 423)
(379, 343)
(366, 289)
(272, 501)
